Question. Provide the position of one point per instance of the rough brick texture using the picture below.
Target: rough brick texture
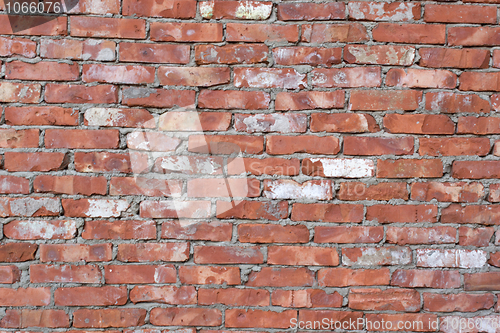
(209, 166)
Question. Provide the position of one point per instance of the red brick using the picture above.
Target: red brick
(308, 298)
(209, 275)
(419, 235)
(104, 318)
(281, 277)
(161, 98)
(448, 192)
(20, 161)
(194, 121)
(284, 78)
(185, 317)
(145, 186)
(327, 213)
(494, 195)
(64, 273)
(351, 77)
(119, 230)
(63, 93)
(481, 281)
(236, 10)
(425, 278)
(496, 59)
(239, 32)
(402, 213)
(185, 32)
(252, 210)
(343, 277)
(43, 70)
(494, 259)
(225, 144)
(230, 187)
(35, 318)
(13, 92)
(210, 231)
(111, 117)
(475, 237)
(460, 14)
(311, 11)
(268, 166)
(94, 207)
(90, 296)
(421, 78)
(153, 252)
(478, 125)
(409, 168)
(457, 302)
(275, 122)
(452, 258)
(233, 297)
(419, 322)
(313, 56)
(332, 33)
(17, 46)
(454, 147)
(10, 274)
(380, 100)
(311, 144)
(309, 100)
(259, 318)
(385, 11)
(346, 235)
(230, 54)
(478, 81)
(193, 76)
(135, 274)
(107, 27)
(410, 33)
(178, 209)
(155, 53)
(290, 189)
(163, 294)
(272, 233)
(379, 54)
(302, 256)
(343, 123)
(33, 25)
(455, 58)
(476, 169)
(378, 146)
(353, 191)
(25, 296)
(228, 255)
(17, 252)
(448, 102)
(117, 74)
(179, 9)
(419, 124)
(14, 185)
(90, 49)
(488, 214)
(102, 162)
(75, 252)
(233, 99)
(30, 230)
(407, 300)
(474, 36)
(41, 115)
(56, 138)
(343, 318)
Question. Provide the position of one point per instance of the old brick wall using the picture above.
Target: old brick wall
(191, 165)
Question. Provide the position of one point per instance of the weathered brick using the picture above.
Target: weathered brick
(460, 14)
(230, 54)
(421, 78)
(185, 317)
(105, 318)
(407, 300)
(228, 255)
(184, 229)
(193, 76)
(119, 230)
(425, 278)
(164, 294)
(308, 100)
(284, 78)
(311, 11)
(456, 258)
(238, 32)
(75, 252)
(41, 115)
(419, 235)
(380, 100)
(252, 210)
(107, 27)
(379, 54)
(209, 275)
(236, 10)
(154, 53)
(30, 230)
(351, 77)
(346, 235)
(185, 32)
(89, 49)
(370, 256)
(308, 298)
(63, 93)
(40, 273)
(302, 256)
(233, 99)
(384, 11)
(332, 33)
(290, 189)
(153, 252)
(313, 56)
(402, 213)
(138, 274)
(43, 70)
(418, 124)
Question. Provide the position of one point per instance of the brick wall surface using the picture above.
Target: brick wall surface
(183, 165)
